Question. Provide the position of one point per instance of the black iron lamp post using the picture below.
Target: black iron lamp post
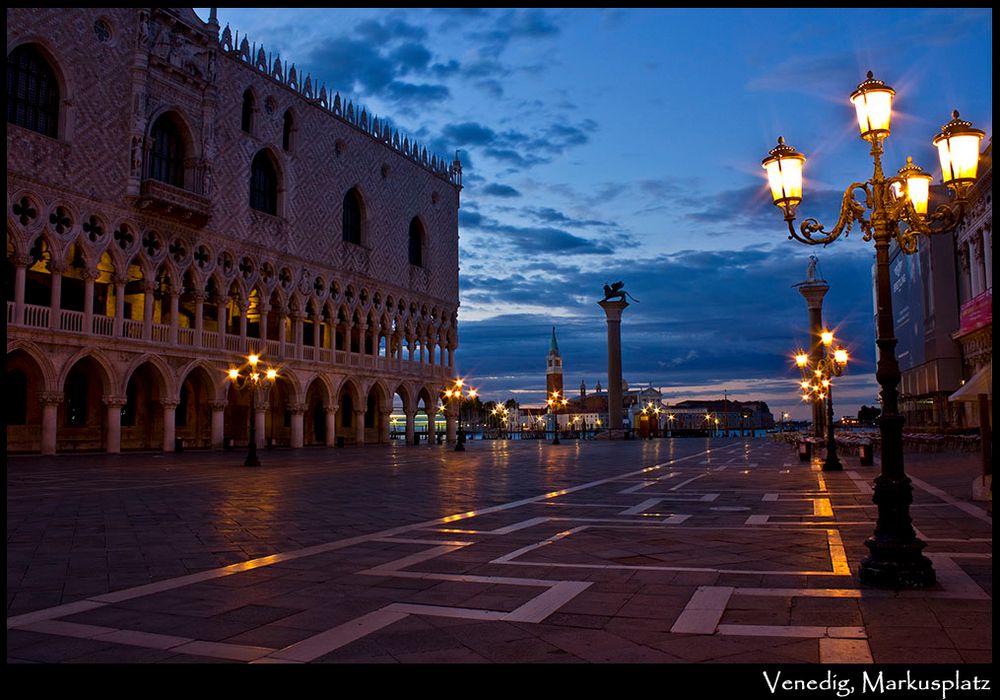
(254, 382)
(455, 394)
(893, 208)
(817, 381)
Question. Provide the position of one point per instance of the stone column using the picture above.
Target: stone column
(114, 404)
(22, 262)
(359, 426)
(613, 311)
(297, 317)
(431, 429)
(282, 331)
(978, 263)
(452, 427)
(410, 426)
(260, 421)
(218, 423)
(264, 308)
(331, 425)
(385, 427)
(220, 316)
(119, 323)
(244, 308)
(199, 316)
(88, 302)
(317, 325)
(169, 423)
(50, 401)
(55, 301)
(362, 337)
(175, 296)
(297, 410)
(147, 309)
(814, 291)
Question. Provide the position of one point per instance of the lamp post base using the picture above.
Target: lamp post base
(896, 565)
(832, 464)
(251, 462)
(895, 559)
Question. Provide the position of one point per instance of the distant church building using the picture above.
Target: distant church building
(553, 368)
(178, 200)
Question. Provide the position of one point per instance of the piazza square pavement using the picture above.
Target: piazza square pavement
(659, 551)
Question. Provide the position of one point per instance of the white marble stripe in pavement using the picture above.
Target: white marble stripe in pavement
(808, 631)
(703, 611)
(637, 567)
(149, 640)
(332, 639)
(416, 558)
(974, 511)
(555, 538)
(50, 613)
(860, 482)
(639, 508)
(445, 611)
(408, 540)
(757, 519)
(541, 606)
(769, 497)
(524, 524)
(844, 651)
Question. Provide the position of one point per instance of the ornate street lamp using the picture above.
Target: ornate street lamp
(894, 206)
(555, 402)
(457, 393)
(253, 381)
(817, 381)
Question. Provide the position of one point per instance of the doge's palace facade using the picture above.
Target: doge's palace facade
(178, 199)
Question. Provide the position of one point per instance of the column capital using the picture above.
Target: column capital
(613, 309)
(24, 261)
(297, 408)
(332, 407)
(50, 397)
(170, 403)
(88, 274)
(114, 401)
(199, 295)
(148, 286)
(218, 405)
(119, 279)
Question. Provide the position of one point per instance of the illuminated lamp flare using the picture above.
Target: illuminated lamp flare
(826, 337)
(253, 360)
(784, 175)
(918, 185)
(272, 374)
(873, 104)
(234, 374)
(840, 356)
(958, 151)
(801, 359)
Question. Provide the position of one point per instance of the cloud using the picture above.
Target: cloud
(497, 190)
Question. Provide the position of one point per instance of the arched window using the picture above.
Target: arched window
(264, 185)
(286, 131)
(352, 217)
(246, 122)
(32, 91)
(166, 160)
(416, 243)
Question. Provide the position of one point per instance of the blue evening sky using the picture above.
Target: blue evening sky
(604, 145)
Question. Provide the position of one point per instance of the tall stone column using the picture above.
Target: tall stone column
(199, 315)
(297, 318)
(814, 290)
(359, 426)
(264, 309)
(613, 311)
(218, 423)
(331, 425)
(20, 276)
(175, 297)
(169, 423)
(114, 436)
(148, 286)
(987, 253)
(88, 302)
(282, 331)
(119, 322)
(298, 411)
(451, 424)
(50, 401)
(385, 427)
(259, 420)
(431, 426)
(410, 426)
(55, 301)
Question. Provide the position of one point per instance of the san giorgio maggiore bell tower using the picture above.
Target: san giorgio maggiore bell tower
(553, 368)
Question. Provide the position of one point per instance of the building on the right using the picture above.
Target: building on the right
(943, 301)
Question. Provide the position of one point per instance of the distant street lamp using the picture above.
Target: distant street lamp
(670, 424)
(895, 553)
(455, 395)
(652, 413)
(253, 381)
(817, 381)
(555, 402)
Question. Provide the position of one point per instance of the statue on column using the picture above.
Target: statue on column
(616, 291)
